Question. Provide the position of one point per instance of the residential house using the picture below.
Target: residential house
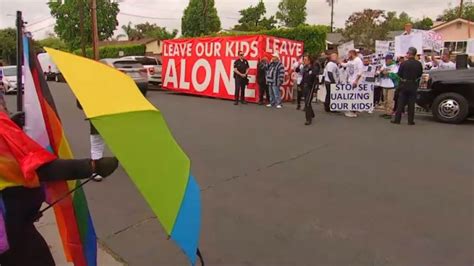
(455, 34)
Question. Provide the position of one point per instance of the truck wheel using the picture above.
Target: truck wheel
(450, 108)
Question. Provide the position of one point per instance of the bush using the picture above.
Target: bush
(313, 36)
(113, 51)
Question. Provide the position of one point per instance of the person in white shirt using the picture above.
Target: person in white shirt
(354, 68)
(388, 82)
(298, 68)
(444, 64)
(331, 76)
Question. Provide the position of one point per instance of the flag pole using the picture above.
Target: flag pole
(19, 61)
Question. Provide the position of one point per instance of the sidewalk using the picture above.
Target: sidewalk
(47, 227)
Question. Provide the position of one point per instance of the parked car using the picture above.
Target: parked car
(50, 70)
(132, 68)
(152, 65)
(448, 94)
(9, 81)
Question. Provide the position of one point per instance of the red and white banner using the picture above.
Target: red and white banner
(205, 66)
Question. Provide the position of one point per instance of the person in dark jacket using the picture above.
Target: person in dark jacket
(262, 68)
(22, 202)
(241, 70)
(310, 83)
(275, 78)
(410, 73)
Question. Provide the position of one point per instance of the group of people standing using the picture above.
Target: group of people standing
(395, 82)
(270, 77)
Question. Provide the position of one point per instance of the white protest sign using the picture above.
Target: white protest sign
(344, 49)
(382, 47)
(432, 40)
(403, 42)
(470, 47)
(345, 97)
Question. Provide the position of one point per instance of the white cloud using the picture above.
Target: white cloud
(171, 11)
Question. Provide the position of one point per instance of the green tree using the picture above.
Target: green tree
(424, 24)
(131, 32)
(394, 22)
(453, 13)
(200, 18)
(8, 45)
(253, 19)
(154, 31)
(53, 42)
(365, 27)
(292, 13)
(68, 17)
(147, 30)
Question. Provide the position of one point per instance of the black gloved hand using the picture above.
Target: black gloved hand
(18, 119)
(106, 166)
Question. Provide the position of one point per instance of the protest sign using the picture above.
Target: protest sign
(205, 66)
(432, 40)
(345, 97)
(470, 47)
(382, 47)
(344, 49)
(403, 42)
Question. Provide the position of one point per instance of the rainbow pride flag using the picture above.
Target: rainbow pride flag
(43, 125)
(137, 133)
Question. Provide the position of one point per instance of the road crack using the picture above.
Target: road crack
(271, 165)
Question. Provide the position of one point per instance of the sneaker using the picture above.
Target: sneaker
(350, 114)
(269, 105)
(279, 106)
(98, 178)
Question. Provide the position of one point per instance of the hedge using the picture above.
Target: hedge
(313, 36)
(113, 51)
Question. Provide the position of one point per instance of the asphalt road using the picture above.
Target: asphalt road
(340, 192)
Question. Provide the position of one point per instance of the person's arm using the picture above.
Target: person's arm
(400, 71)
(73, 169)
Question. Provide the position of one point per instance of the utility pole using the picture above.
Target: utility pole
(95, 31)
(461, 6)
(81, 26)
(331, 4)
(332, 15)
(19, 61)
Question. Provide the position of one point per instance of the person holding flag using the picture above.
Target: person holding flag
(26, 167)
(389, 81)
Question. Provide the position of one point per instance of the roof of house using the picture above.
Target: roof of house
(127, 42)
(445, 24)
(334, 38)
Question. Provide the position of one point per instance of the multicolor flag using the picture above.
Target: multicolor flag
(43, 125)
(137, 134)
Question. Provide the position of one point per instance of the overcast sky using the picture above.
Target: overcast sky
(168, 12)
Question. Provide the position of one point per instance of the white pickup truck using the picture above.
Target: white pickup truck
(152, 65)
(50, 70)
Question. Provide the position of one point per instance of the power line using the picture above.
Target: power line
(140, 16)
(39, 21)
(43, 28)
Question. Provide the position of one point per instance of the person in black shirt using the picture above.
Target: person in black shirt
(310, 81)
(409, 72)
(262, 68)
(241, 69)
